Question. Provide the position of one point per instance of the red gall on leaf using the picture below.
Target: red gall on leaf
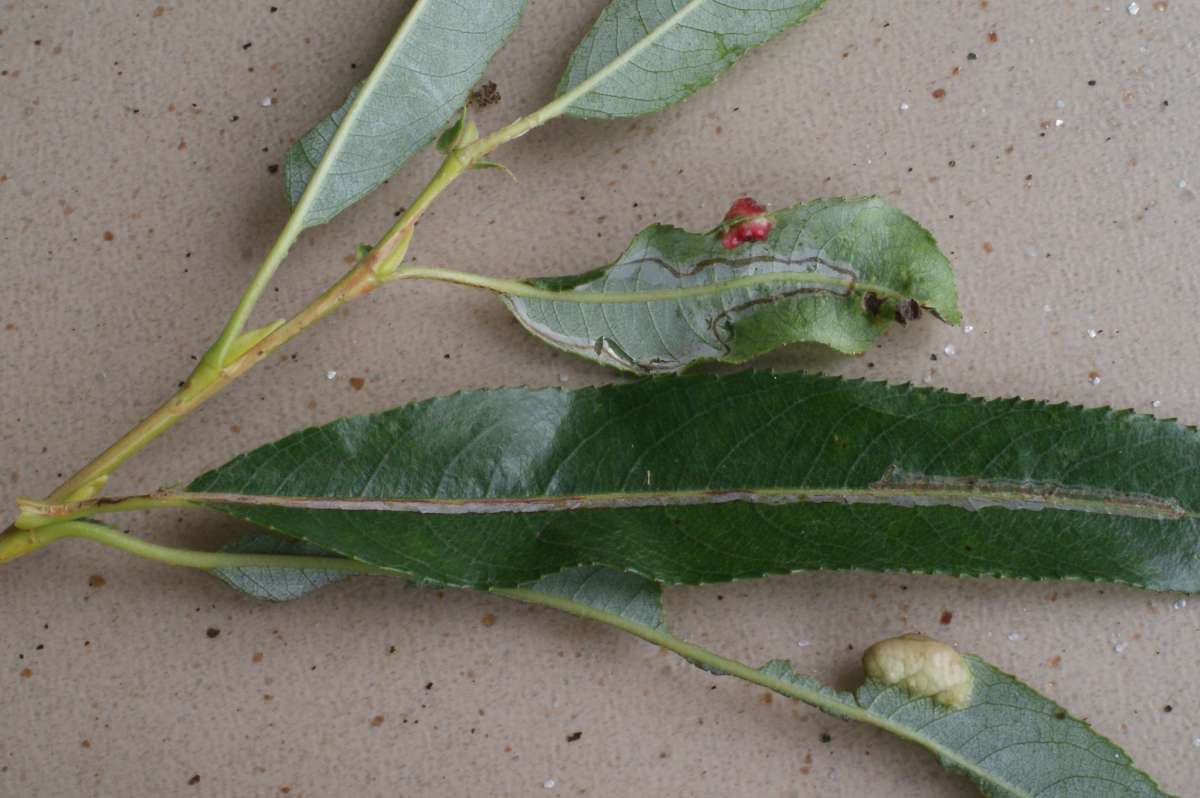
(755, 225)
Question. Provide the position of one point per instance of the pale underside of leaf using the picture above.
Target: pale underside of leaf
(690, 480)
(831, 271)
(420, 82)
(276, 584)
(1008, 739)
(644, 55)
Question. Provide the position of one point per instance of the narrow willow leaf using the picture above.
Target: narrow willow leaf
(706, 479)
(833, 271)
(420, 82)
(276, 584)
(1007, 738)
(642, 56)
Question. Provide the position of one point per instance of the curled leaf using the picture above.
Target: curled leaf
(832, 271)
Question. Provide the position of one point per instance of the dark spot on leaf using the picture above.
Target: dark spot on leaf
(1060, 714)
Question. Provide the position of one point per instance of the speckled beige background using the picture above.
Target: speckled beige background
(147, 123)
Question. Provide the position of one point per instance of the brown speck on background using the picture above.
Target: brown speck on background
(96, 580)
(273, 168)
(1161, 5)
(573, 736)
(26, 673)
(257, 658)
(946, 618)
(993, 37)
(484, 96)
(10, 327)
(377, 721)
(235, 429)
(939, 94)
(488, 619)
(86, 744)
(158, 11)
(357, 383)
(766, 699)
(182, 145)
(108, 236)
(194, 780)
(986, 246)
(212, 632)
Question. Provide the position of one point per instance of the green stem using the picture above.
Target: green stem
(523, 289)
(188, 558)
(691, 652)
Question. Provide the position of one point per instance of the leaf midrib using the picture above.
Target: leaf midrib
(567, 99)
(344, 128)
(980, 496)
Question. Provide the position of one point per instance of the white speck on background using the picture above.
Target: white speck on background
(549, 784)
(1094, 379)
(1092, 333)
(1013, 637)
(266, 102)
(1156, 403)
(1196, 742)
(968, 328)
(563, 378)
(1060, 104)
(1032, 253)
(903, 106)
(1179, 605)
(1059, 122)
(802, 644)
(1182, 183)
(949, 349)
(331, 375)
(1120, 647)
(1133, 9)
